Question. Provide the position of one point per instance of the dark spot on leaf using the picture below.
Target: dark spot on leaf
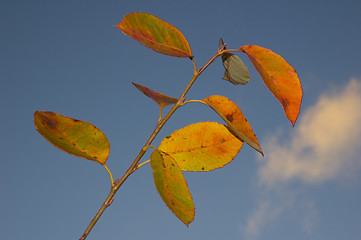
(284, 102)
(76, 120)
(51, 123)
(229, 118)
(172, 202)
(203, 168)
(246, 119)
(167, 137)
(223, 140)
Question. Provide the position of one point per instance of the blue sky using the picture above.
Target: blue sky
(67, 57)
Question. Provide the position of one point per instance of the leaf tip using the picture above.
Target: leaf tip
(261, 152)
(37, 113)
(189, 221)
(221, 43)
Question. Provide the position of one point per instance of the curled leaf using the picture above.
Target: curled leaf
(161, 99)
(236, 71)
(202, 146)
(235, 119)
(172, 186)
(73, 136)
(280, 78)
(155, 34)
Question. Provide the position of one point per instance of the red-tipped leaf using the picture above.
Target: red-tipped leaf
(161, 99)
(156, 34)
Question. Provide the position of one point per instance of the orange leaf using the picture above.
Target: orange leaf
(280, 78)
(156, 34)
(201, 146)
(171, 186)
(73, 136)
(161, 99)
(236, 119)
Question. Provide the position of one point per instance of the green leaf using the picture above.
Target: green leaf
(156, 34)
(172, 186)
(161, 99)
(236, 71)
(73, 136)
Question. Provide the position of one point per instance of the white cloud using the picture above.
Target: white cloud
(284, 202)
(325, 145)
(325, 142)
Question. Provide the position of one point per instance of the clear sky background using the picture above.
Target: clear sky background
(67, 57)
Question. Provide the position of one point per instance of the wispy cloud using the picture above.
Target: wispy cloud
(325, 145)
(266, 212)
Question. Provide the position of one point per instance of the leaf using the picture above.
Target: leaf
(235, 120)
(280, 78)
(202, 146)
(172, 187)
(73, 136)
(155, 34)
(236, 71)
(161, 99)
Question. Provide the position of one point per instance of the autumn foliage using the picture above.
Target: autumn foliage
(202, 146)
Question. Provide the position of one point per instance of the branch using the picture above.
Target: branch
(133, 167)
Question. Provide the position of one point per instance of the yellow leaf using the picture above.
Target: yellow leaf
(280, 78)
(201, 146)
(235, 117)
(172, 186)
(73, 136)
